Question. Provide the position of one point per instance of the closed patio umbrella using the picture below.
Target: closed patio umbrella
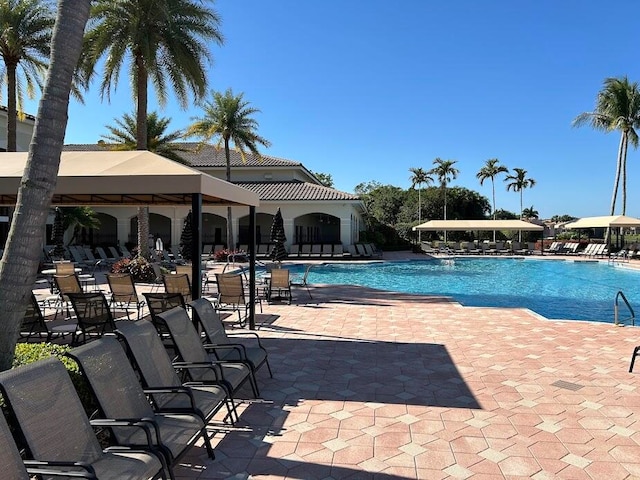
(278, 238)
(186, 239)
(57, 234)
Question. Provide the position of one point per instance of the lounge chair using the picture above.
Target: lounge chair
(316, 250)
(327, 250)
(65, 284)
(351, 248)
(338, 251)
(116, 388)
(295, 250)
(305, 250)
(361, 250)
(227, 346)
(123, 294)
(152, 362)
(106, 261)
(93, 315)
(58, 433)
(279, 286)
(232, 296)
(115, 254)
(199, 363)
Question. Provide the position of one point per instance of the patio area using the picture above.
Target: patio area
(376, 385)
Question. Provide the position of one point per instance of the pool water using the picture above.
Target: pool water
(552, 288)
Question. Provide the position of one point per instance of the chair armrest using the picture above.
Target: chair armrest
(247, 334)
(142, 423)
(175, 390)
(213, 365)
(39, 467)
(242, 351)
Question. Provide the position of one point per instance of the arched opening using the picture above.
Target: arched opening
(263, 228)
(316, 228)
(214, 229)
(159, 226)
(107, 233)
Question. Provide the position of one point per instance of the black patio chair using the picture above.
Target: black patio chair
(196, 362)
(119, 394)
(93, 315)
(58, 435)
(161, 302)
(152, 362)
(35, 327)
(226, 346)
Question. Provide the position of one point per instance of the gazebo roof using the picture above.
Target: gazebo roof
(123, 178)
(605, 221)
(477, 225)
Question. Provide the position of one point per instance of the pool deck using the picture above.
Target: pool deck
(376, 385)
(379, 385)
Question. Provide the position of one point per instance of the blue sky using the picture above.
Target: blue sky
(365, 90)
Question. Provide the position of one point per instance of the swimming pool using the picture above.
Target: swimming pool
(554, 289)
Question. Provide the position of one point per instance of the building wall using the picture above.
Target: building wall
(24, 132)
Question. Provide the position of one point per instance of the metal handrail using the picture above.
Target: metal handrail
(615, 309)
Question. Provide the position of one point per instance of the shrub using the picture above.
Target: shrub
(139, 268)
(223, 255)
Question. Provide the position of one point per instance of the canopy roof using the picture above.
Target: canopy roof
(606, 221)
(124, 178)
(477, 225)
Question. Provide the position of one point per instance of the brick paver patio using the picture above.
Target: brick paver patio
(376, 385)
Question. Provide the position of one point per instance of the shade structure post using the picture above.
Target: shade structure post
(252, 268)
(196, 246)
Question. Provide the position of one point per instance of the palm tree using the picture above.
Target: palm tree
(228, 118)
(518, 182)
(491, 169)
(21, 257)
(419, 177)
(25, 37)
(78, 218)
(530, 213)
(163, 40)
(123, 137)
(445, 171)
(617, 108)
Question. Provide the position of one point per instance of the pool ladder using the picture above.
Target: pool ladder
(616, 318)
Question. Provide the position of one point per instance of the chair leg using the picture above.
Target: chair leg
(633, 358)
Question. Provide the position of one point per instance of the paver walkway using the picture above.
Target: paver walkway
(376, 385)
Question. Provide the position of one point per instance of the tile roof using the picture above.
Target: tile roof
(207, 156)
(295, 190)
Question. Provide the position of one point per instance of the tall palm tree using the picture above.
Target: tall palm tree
(491, 169)
(25, 37)
(229, 119)
(518, 182)
(617, 108)
(445, 171)
(164, 41)
(19, 264)
(419, 177)
(123, 136)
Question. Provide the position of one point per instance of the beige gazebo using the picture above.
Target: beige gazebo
(478, 225)
(133, 178)
(611, 221)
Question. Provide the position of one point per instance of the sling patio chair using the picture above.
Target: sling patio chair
(178, 283)
(161, 302)
(57, 433)
(227, 346)
(297, 281)
(34, 325)
(232, 296)
(93, 315)
(115, 386)
(196, 362)
(279, 286)
(151, 360)
(124, 295)
(65, 285)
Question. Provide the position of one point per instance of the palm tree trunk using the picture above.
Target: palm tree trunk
(616, 184)
(444, 187)
(227, 154)
(142, 144)
(419, 216)
(520, 231)
(12, 113)
(19, 264)
(624, 175)
(493, 194)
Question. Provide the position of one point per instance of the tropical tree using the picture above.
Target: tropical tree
(25, 37)
(445, 172)
(419, 177)
(229, 119)
(325, 179)
(490, 170)
(164, 41)
(79, 218)
(530, 213)
(518, 182)
(123, 136)
(19, 264)
(617, 108)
